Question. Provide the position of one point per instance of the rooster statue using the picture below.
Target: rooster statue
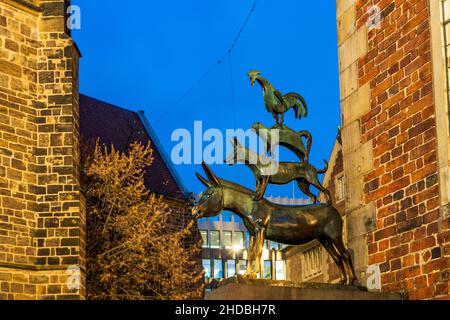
(276, 103)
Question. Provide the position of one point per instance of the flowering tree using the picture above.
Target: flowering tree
(131, 254)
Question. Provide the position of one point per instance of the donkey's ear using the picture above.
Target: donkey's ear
(211, 176)
(203, 180)
(237, 143)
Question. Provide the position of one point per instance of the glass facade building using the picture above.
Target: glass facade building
(225, 245)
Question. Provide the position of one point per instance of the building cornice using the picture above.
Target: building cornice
(25, 6)
(32, 267)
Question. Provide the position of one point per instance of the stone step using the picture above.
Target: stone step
(238, 288)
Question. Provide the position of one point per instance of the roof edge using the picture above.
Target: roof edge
(162, 151)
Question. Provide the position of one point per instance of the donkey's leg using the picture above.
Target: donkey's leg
(328, 245)
(304, 187)
(262, 188)
(250, 257)
(259, 250)
(340, 247)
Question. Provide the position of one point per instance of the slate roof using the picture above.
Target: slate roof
(120, 127)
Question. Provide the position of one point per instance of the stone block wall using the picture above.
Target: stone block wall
(41, 208)
(395, 143)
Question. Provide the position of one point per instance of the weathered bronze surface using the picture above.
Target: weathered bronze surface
(302, 172)
(292, 225)
(287, 138)
(277, 103)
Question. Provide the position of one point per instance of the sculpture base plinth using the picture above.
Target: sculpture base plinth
(239, 288)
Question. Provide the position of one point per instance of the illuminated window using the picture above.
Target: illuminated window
(273, 245)
(247, 239)
(242, 266)
(238, 239)
(280, 273)
(227, 242)
(218, 271)
(207, 266)
(215, 239)
(231, 268)
(204, 234)
(267, 269)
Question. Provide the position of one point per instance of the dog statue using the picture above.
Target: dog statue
(279, 173)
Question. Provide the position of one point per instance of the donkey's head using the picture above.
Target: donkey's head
(211, 201)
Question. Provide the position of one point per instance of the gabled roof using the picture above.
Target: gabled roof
(120, 127)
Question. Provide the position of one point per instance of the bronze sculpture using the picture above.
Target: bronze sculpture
(279, 173)
(276, 103)
(287, 138)
(292, 225)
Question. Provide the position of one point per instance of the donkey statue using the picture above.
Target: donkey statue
(291, 225)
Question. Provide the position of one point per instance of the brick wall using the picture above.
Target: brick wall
(41, 215)
(391, 153)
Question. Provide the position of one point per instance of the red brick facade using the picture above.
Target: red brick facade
(411, 240)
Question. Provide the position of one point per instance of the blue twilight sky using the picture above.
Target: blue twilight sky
(144, 55)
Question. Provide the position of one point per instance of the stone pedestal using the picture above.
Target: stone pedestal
(238, 288)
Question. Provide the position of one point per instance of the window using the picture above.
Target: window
(218, 271)
(267, 269)
(231, 268)
(279, 270)
(311, 262)
(445, 12)
(215, 239)
(238, 240)
(227, 243)
(247, 239)
(207, 266)
(242, 267)
(340, 188)
(273, 245)
(445, 21)
(204, 234)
